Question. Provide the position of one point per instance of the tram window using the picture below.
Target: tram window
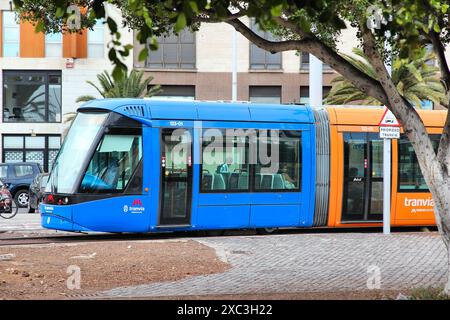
(279, 160)
(410, 176)
(113, 163)
(225, 160)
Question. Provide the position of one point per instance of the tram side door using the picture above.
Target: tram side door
(363, 177)
(176, 177)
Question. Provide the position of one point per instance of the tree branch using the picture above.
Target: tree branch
(314, 46)
(292, 26)
(205, 16)
(444, 143)
(439, 50)
(402, 109)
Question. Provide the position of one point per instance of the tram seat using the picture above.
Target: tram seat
(226, 178)
(258, 179)
(272, 182)
(278, 182)
(243, 180)
(218, 182)
(266, 181)
(233, 181)
(207, 181)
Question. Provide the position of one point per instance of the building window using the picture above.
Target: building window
(325, 91)
(304, 95)
(410, 176)
(265, 94)
(11, 34)
(41, 149)
(95, 40)
(31, 96)
(261, 59)
(53, 45)
(176, 92)
(174, 52)
(304, 62)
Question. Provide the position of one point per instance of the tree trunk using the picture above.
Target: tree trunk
(440, 191)
(434, 169)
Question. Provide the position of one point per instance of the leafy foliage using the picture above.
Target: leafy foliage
(153, 18)
(130, 86)
(416, 80)
(429, 293)
(309, 26)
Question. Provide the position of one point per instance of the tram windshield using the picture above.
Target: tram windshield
(113, 163)
(69, 163)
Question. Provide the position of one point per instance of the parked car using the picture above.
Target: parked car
(37, 189)
(18, 177)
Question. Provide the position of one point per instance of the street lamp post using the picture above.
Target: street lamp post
(315, 81)
(234, 67)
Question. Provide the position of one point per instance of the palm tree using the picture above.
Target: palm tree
(416, 80)
(129, 86)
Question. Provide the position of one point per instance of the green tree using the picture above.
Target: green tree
(311, 26)
(130, 86)
(417, 80)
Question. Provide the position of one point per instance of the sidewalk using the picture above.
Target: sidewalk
(23, 221)
(295, 263)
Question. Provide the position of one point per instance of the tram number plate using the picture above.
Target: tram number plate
(389, 132)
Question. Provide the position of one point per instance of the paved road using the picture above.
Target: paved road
(23, 221)
(293, 263)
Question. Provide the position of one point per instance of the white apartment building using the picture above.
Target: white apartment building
(40, 84)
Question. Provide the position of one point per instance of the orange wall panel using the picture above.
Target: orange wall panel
(75, 45)
(32, 43)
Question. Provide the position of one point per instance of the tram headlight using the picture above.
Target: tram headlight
(65, 200)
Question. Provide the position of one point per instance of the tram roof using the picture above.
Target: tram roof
(371, 116)
(203, 110)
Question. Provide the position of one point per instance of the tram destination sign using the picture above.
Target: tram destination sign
(389, 132)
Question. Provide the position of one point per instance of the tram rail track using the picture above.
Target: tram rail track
(65, 239)
(81, 237)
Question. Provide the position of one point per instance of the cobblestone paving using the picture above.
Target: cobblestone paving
(311, 263)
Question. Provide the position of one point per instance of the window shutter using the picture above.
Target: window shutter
(32, 43)
(75, 45)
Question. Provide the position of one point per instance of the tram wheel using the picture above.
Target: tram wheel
(263, 231)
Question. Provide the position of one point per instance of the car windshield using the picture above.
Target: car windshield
(74, 151)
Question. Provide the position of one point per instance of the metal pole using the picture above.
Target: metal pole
(387, 186)
(387, 168)
(234, 67)
(315, 81)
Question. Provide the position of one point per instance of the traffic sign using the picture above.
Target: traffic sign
(388, 119)
(389, 132)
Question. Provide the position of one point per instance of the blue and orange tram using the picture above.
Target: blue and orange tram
(134, 165)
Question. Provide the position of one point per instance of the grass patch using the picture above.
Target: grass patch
(429, 293)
